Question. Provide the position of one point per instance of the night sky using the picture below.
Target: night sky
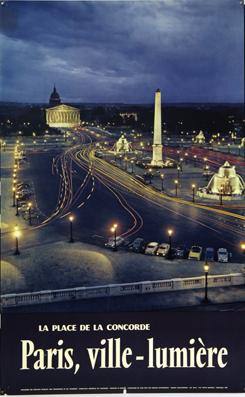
(121, 51)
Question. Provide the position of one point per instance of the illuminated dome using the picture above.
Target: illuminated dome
(54, 99)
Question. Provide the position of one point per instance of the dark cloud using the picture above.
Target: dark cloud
(121, 51)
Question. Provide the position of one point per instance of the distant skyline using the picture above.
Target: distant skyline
(121, 51)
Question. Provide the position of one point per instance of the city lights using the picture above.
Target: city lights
(114, 230)
(17, 236)
(71, 219)
(206, 270)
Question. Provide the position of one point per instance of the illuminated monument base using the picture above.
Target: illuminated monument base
(157, 160)
(63, 116)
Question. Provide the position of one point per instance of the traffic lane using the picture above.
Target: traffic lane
(46, 185)
(93, 222)
(187, 228)
(101, 211)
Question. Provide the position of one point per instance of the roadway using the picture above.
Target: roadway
(100, 194)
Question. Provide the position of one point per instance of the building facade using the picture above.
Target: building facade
(63, 116)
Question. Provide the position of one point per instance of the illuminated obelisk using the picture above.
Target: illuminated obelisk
(157, 137)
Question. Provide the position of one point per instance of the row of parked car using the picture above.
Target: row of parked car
(163, 249)
(25, 195)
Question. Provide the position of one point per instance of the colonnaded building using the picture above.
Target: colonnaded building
(59, 115)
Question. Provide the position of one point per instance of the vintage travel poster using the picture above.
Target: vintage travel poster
(122, 197)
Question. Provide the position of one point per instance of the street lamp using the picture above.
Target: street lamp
(14, 192)
(193, 192)
(206, 269)
(16, 236)
(221, 195)
(132, 166)
(150, 175)
(71, 219)
(178, 171)
(114, 230)
(29, 212)
(126, 163)
(176, 187)
(162, 178)
(17, 205)
(170, 233)
(243, 247)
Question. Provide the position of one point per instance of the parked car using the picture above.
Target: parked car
(163, 249)
(151, 248)
(138, 245)
(181, 252)
(23, 186)
(209, 254)
(111, 242)
(24, 191)
(223, 255)
(195, 253)
(24, 197)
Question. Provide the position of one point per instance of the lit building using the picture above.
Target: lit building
(128, 115)
(63, 116)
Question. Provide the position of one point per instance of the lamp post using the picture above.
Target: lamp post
(16, 236)
(178, 171)
(126, 163)
(150, 175)
(114, 230)
(176, 187)
(17, 205)
(206, 168)
(178, 153)
(221, 196)
(195, 160)
(181, 163)
(162, 178)
(243, 247)
(170, 233)
(132, 166)
(14, 192)
(29, 212)
(71, 219)
(206, 269)
(193, 192)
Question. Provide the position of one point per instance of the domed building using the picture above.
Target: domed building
(226, 182)
(60, 115)
(54, 98)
